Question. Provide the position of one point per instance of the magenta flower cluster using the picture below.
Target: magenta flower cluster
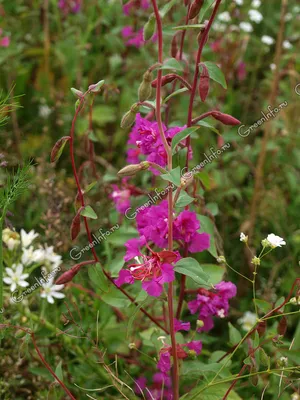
(69, 6)
(121, 196)
(4, 40)
(212, 303)
(144, 140)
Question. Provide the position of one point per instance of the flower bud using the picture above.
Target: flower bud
(130, 170)
(255, 261)
(186, 180)
(221, 260)
(164, 80)
(174, 48)
(132, 346)
(226, 119)
(145, 88)
(68, 276)
(95, 87)
(129, 118)
(77, 93)
(199, 323)
(77, 104)
(192, 354)
(149, 28)
(282, 362)
(195, 8)
(293, 300)
(204, 83)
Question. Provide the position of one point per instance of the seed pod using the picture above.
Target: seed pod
(282, 326)
(195, 8)
(226, 119)
(204, 83)
(145, 88)
(149, 28)
(129, 118)
(75, 226)
(68, 275)
(164, 80)
(174, 48)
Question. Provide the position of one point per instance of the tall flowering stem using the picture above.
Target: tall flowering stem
(168, 150)
(86, 224)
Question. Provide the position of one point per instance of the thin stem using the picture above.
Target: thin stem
(202, 116)
(280, 315)
(167, 148)
(243, 276)
(254, 290)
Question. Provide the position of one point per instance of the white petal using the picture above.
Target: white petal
(50, 299)
(7, 280)
(58, 295)
(23, 283)
(13, 286)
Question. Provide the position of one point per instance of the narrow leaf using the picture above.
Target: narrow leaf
(215, 73)
(181, 136)
(75, 226)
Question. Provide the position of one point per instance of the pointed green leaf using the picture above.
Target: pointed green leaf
(172, 64)
(173, 176)
(190, 267)
(215, 73)
(181, 136)
(88, 212)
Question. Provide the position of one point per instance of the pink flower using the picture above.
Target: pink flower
(121, 197)
(69, 6)
(241, 71)
(131, 4)
(181, 326)
(135, 39)
(145, 137)
(210, 304)
(153, 271)
(4, 41)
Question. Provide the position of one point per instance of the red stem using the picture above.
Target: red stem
(234, 382)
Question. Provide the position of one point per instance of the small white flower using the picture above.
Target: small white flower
(275, 241)
(10, 238)
(224, 16)
(15, 277)
(28, 238)
(287, 45)
(273, 66)
(288, 17)
(44, 111)
(247, 320)
(256, 3)
(219, 27)
(31, 256)
(246, 27)
(255, 16)
(243, 238)
(50, 258)
(51, 291)
(267, 40)
(295, 396)
(283, 361)
(239, 2)
(221, 313)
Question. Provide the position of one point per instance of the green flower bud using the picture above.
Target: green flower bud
(200, 323)
(76, 92)
(255, 261)
(130, 170)
(129, 118)
(145, 88)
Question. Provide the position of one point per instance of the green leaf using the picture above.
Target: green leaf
(215, 73)
(172, 64)
(208, 227)
(211, 393)
(173, 176)
(115, 298)
(213, 208)
(209, 126)
(134, 314)
(179, 91)
(204, 178)
(190, 267)
(90, 187)
(88, 212)
(97, 276)
(181, 136)
(192, 26)
(263, 305)
(166, 8)
(216, 272)
(184, 199)
(58, 371)
(234, 335)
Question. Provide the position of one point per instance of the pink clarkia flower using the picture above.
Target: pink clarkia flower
(121, 196)
(181, 326)
(4, 41)
(212, 303)
(134, 39)
(153, 271)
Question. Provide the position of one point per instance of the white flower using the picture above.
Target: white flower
(219, 27)
(239, 2)
(28, 238)
(287, 45)
(273, 66)
(246, 27)
(15, 277)
(49, 257)
(10, 238)
(224, 16)
(288, 17)
(44, 111)
(31, 256)
(295, 396)
(267, 40)
(275, 241)
(256, 3)
(255, 16)
(248, 320)
(243, 238)
(51, 291)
